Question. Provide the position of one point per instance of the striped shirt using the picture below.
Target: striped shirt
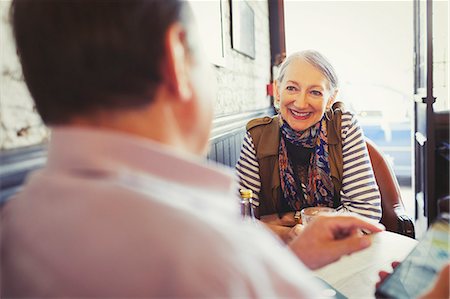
(359, 192)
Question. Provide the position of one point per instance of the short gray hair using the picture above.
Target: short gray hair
(315, 59)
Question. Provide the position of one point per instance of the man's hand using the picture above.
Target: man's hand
(440, 288)
(383, 274)
(327, 238)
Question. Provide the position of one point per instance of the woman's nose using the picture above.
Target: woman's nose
(301, 101)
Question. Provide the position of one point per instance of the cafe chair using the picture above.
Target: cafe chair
(444, 204)
(394, 217)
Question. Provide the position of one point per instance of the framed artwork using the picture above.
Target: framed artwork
(208, 15)
(242, 28)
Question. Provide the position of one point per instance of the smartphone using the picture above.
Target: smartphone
(329, 291)
(418, 271)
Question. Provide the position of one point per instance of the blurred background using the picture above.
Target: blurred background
(391, 57)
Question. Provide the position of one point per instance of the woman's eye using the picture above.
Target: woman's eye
(316, 93)
(290, 88)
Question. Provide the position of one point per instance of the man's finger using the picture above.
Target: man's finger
(351, 244)
(354, 222)
(383, 275)
(395, 264)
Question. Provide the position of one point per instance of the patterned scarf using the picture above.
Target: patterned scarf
(319, 190)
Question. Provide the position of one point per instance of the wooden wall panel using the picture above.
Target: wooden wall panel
(226, 140)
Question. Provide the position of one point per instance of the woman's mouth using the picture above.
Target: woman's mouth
(300, 115)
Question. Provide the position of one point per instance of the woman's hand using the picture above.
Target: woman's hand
(285, 233)
(281, 231)
(287, 219)
(286, 227)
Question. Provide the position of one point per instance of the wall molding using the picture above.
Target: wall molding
(16, 164)
(228, 133)
(226, 124)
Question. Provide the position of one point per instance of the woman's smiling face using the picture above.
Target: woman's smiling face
(303, 95)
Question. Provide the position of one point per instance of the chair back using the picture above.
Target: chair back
(394, 217)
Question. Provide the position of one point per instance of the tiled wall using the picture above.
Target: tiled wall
(241, 80)
(440, 56)
(20, 125)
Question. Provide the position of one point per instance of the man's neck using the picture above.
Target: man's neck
(156, 122)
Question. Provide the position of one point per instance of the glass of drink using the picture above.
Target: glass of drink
(308, 214)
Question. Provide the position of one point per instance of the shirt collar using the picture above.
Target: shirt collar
(107, 150)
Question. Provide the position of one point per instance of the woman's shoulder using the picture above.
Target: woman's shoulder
(261, 121)
(340, 108)
(348, 117)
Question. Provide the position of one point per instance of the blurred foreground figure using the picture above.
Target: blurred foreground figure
(126, 206)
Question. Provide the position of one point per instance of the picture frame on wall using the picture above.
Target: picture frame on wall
(209, 15)
(242, 28)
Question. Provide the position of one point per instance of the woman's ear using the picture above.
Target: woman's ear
(176, 67)
(332, 99)
(276, 94)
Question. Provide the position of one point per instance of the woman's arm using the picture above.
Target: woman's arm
(359, 192)
(247, 168)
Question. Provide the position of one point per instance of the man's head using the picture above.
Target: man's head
(82, 59)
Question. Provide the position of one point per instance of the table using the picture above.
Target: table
(355, 275)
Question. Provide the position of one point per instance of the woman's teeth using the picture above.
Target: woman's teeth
(301, 114)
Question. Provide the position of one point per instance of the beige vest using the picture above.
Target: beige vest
(265, 133)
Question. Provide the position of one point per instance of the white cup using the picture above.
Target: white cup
(308, 214)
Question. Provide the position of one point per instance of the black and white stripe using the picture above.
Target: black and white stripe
(248, 168)
(359, 193)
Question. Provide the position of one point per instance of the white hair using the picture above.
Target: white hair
(315, 59)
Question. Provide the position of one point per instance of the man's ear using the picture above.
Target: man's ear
(177, 63)
(332, 99)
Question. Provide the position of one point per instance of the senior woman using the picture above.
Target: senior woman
(289, 161)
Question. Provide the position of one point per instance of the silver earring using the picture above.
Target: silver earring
(329, 114)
